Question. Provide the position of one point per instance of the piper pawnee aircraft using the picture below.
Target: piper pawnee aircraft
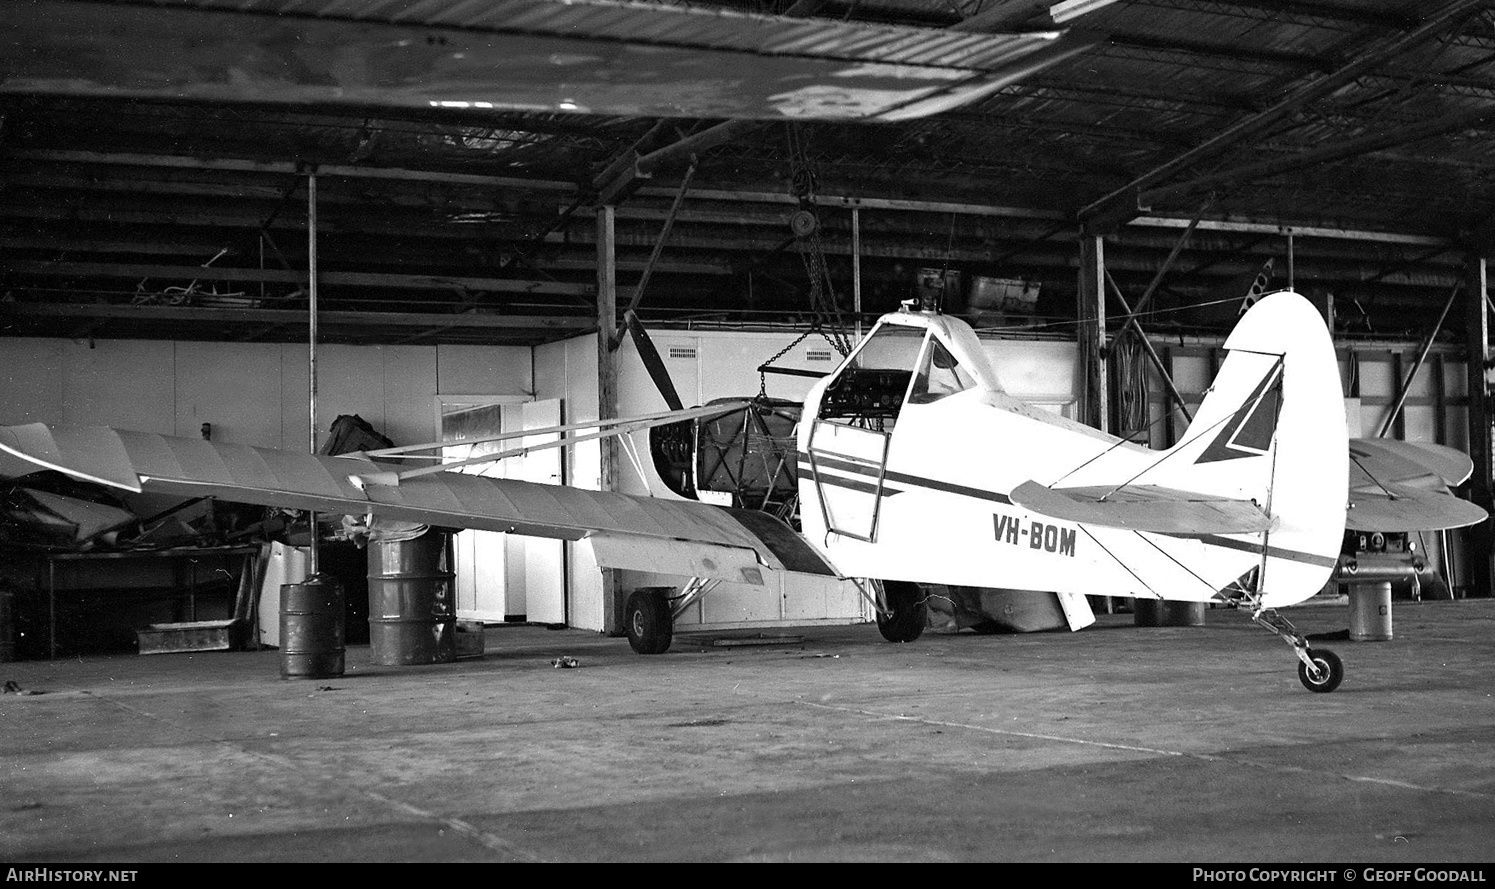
(915, 467)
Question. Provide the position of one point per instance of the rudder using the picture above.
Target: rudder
(1271, 428)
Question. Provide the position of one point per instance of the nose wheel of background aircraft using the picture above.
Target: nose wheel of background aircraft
(1322, 672)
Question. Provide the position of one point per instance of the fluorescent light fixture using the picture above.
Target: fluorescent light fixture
(1073, 9)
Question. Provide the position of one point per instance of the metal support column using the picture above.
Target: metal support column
(1477, 340)
(311, 351)
(856, 268)
(1091, 333)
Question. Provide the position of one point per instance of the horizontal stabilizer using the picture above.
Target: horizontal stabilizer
(1388, 460)
(1145, 508)
(1402, 486)
(1409, 508)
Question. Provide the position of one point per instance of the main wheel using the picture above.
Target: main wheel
(1329, 667)
(647, 620)
(910, 614)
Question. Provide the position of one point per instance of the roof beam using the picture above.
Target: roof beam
(276, 276)
(628, 174)
(1313, 11)
(278, 168)
(294, 317)
(1333, 152)
(1122, 204)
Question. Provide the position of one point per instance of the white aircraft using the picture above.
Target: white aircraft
(914, 467)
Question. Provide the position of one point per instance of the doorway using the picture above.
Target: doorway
(505, 578)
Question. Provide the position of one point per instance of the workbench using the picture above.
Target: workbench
(188, 569)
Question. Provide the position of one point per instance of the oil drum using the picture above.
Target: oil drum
(412, 603)
(1370, 612)
(311, 629)
(1156, 613)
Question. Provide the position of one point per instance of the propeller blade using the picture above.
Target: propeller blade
(652, 362)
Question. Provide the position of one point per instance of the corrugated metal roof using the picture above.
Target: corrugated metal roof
(1170, 76)
(722, 29)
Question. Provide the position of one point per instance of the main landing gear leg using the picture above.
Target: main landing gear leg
(1319, 669)
(901, 612)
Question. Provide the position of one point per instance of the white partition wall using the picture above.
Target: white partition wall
(567, 370)
(251, 393)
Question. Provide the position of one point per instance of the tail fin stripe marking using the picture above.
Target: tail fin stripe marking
(1249, 432)
(1275, 552)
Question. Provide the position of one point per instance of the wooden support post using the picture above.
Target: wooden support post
(1091, 311)
(607, 389)
(1477, 343)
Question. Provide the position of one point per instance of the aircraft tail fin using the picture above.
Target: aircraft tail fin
(1271, 428)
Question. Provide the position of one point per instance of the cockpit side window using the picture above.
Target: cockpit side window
(939, 375)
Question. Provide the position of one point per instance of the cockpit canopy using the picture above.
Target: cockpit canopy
(910, 358)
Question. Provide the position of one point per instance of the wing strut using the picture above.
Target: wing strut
(621, 426)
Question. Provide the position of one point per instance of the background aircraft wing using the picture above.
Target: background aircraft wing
(147, 462)
(1429, 465)
(1406, 508)
(623, 59)
(1404, 486)
(1144, 508)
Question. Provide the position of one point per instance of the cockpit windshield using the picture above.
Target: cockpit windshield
(890, 347)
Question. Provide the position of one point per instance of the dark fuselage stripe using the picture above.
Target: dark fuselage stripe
(836, 481)
(899, 478)
(1273, 552)
(967, 491)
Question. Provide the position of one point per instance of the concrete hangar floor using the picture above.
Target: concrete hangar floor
(1117, 743)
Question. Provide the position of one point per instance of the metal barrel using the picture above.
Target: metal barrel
(1183, 614)
(1147, 612)
(7, 624)
(412, 603)
(311, 629)
(1155, 613)
(1370, 612)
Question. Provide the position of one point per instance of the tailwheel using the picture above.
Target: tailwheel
(1319, 669)
(906, 612)
(1322, 672)
(647, 620)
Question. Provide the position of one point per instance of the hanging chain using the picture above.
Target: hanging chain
(762, 374)
(811, 250)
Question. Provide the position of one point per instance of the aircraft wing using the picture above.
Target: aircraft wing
(1403, 486)
(1144, 508)
(577, 56)
(722, 543)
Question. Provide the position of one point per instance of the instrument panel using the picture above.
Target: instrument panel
(866, 393)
